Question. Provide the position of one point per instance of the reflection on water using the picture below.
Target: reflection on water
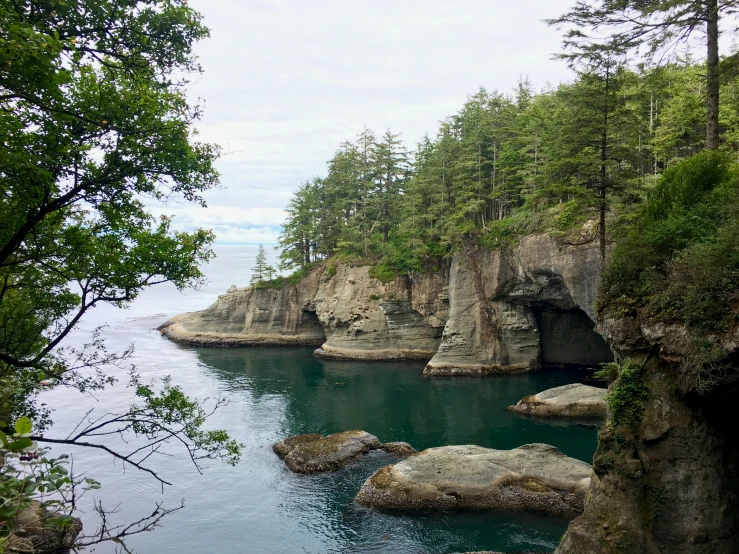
(260, 506)
(393, 401)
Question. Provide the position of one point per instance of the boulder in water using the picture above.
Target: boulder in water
(575, 401)
(39, 532)
(315, 454)
(399, 449)
(531, 478)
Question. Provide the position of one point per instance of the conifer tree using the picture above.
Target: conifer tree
(261, 268)
(661, 25)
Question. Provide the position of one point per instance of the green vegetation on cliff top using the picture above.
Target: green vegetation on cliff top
(679, 259)
(507, 165)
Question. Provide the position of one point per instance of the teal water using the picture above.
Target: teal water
(259, 506)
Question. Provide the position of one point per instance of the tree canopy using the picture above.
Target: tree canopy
(506, 164)
(662, 26)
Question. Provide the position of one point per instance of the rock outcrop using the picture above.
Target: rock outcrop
(348, 313)
(512, 310)
(254, 317)
(490, 311)
(364, 318)
(36, 532)
(665, 479)
(532, 478)
(399, 449)
(568, 401)
(313, 453)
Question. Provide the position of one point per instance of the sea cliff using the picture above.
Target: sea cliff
(483, 312)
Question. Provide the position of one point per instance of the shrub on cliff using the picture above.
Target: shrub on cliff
(679, 261)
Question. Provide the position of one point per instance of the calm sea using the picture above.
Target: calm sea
(259, 506)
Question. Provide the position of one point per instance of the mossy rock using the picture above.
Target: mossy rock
(315, 454)
(399, 449)
(284, 447)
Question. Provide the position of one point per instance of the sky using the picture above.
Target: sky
(286, 81)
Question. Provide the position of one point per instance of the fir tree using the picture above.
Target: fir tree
(261, 268)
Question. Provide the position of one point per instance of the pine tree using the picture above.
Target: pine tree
(592, 155)
(260, 269)
(391, 164)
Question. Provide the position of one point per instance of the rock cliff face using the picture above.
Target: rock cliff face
(249, 316)
(364, 318)
(515, 309)
(489, 311)
(669, 484)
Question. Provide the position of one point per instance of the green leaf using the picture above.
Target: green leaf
(23, 426)
(20, 444)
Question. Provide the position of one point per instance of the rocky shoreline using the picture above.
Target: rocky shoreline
(515, 310)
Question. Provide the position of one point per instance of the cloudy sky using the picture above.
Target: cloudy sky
(286, 81)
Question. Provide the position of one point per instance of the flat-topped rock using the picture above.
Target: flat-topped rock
(313, 453)
(531, 478)
(576, 401)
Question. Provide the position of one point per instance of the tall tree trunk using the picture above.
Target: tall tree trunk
(712, 75)
(604, 172)
(602, 233)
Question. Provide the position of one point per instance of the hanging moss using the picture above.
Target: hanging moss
(626, 400)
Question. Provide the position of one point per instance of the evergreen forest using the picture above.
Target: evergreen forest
(574, 160)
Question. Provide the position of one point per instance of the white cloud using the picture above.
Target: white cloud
(230, 234)
(286, 81)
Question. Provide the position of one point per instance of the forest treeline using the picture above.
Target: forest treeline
(507, 164)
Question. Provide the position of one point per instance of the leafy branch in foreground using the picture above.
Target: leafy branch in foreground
(96, 128)
(157, 419)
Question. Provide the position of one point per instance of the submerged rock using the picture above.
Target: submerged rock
(399, 449)
(38, 532)
(314, 454)
(576, 401)
(532, 478)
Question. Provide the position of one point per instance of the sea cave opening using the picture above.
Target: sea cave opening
(568, 337)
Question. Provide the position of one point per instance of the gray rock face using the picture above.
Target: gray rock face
(315, 454)
(244, 317)
(575, 401)
(532, 478)
(669, 483)
(34, 532)
(366, 319)
(513, 310)
(352, 315)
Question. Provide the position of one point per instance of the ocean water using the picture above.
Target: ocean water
(259, 506)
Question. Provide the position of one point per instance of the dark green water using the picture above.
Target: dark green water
(394, 402)
(261, 507)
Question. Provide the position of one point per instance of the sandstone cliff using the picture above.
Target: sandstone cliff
(488, 311)
(511, 310)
